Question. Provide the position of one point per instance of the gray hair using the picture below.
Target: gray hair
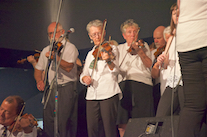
(167, 30)
(128, 23)
(94, 23)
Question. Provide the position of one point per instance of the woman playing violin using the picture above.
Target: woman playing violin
(103, 90)
(135, 79)
(167, 69)
(9, 111)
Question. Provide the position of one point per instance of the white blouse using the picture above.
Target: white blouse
(132, 67)
(171, 76)
(104, 81)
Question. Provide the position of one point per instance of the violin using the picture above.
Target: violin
(17, 128)
(159, 51)
(133, 51)
(57, 47)
(36, 57)
(104, 48)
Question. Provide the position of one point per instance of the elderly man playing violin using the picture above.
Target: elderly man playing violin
(66, 85)
(11, 124)
(100, 75)
(135, 77)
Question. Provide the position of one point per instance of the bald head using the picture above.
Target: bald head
(53, 24)
(51, 29)
(158, 36)
(17, 100)
(159, 29)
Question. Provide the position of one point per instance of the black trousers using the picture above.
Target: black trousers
(101, 117)
(164, 106)
(194, 74)
(67, 112)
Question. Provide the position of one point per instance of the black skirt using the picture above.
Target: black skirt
(137, 101)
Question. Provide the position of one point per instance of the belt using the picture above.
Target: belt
(65, 84)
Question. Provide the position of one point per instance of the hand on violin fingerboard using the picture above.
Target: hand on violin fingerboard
(47, 54)
(104, 55)
(27, 123)
(136, 48)
(24, 123)
(31, 59)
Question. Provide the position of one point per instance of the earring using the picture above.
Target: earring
(91, 41)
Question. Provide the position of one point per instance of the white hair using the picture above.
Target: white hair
(167, 30)
(95, 23)
(128, 23)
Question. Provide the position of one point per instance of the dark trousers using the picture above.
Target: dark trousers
(156, 95)
(101, 117)
(137, 101)
(194, 74)
(67, 112)
(165, 103)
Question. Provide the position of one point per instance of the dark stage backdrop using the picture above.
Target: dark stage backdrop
(24, 23)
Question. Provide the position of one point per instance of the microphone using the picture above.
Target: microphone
(71, 30)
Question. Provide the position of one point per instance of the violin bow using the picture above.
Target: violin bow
(18, 117)
(136, 36)
(109, 38)
(168, 45)
(99, 48)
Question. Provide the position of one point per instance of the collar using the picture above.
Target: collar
(2, 127)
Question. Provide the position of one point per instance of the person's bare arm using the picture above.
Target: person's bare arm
(39, 80)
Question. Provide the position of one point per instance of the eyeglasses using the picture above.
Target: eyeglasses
(131, 32)
(52, 33)
(95, 34)
(135, 31)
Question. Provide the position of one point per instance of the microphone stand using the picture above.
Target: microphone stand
(53, 84)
